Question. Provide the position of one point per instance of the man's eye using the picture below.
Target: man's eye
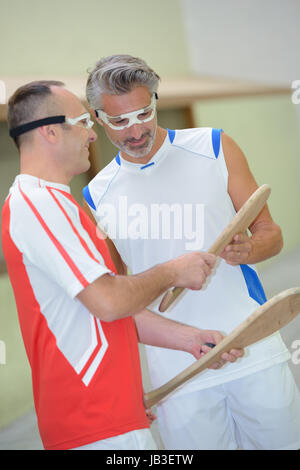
(120, 122)
(144, 115)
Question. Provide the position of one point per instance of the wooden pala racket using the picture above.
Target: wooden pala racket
(241, 221)
(267, 319)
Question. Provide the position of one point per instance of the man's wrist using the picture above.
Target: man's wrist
(191, 339)
(170, 273)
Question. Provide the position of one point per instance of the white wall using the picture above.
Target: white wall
(250, 39)
(254, 40)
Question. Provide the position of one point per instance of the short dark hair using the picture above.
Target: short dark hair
(31, 102)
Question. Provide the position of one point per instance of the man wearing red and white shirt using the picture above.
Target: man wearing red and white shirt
(76, 314)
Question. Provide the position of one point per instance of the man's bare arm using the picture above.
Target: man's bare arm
(112, 297)
(266, 237)
(155, 330)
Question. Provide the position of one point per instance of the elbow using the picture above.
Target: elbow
(104, 316)
(105, 313)
(110, 311)
(275, 240)
(279, 240)
(103, 300)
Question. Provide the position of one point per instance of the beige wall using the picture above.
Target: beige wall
(15, 379)
(65, 37)
(266, 128)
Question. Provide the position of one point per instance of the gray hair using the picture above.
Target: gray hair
(116, 75)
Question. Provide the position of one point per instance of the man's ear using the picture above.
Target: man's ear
(50, 132)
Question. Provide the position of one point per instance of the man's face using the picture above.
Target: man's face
(138, 139)
(76, 139)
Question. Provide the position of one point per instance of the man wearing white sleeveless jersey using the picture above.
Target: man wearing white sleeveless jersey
(169, 192)
(76, 314)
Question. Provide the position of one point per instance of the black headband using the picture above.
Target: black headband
(34, 124)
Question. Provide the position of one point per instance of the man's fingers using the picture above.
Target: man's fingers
(217, 364)
(238, 251)
(237, 352)
(241, 247)
(209, 259)
(150, 415)
(245, 246)
(241, 238)
(236, 257)
(230, 356)
(240, 243)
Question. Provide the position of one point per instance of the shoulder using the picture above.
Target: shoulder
(23, 197)
(27, 210)
(98, 186)
(202, 140)
(41, 205)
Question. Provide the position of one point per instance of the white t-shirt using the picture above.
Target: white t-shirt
(176, 203)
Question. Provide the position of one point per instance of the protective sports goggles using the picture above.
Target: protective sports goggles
(128, 119)
(84, 120)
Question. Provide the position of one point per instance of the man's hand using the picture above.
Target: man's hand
(156, 330)
(150, 416)
(198, 347)
(192, 269)
(238, 251)
(266, 237)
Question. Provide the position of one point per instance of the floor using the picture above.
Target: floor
(23, 434)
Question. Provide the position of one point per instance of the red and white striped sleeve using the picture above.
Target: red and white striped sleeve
(46, 227)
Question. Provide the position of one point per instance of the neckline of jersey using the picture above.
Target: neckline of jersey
(146, 168)
(40, 183)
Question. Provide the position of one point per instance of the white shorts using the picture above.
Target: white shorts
(140, 439)
(260, 411)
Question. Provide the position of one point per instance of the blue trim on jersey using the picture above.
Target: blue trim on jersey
(118, 160)
(254, 286)
(216, 140)
(146, 166)
(87, 196)
(171, 134)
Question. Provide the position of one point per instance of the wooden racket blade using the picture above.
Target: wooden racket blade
(241, 221)
(266, 320)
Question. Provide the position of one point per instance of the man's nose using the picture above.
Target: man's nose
(92, 136)
(136, 131)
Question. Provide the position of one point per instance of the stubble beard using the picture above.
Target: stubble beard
(140, 151)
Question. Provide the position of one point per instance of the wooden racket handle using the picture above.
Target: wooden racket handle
(266, 320)
(172, 294)
(241, 221)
